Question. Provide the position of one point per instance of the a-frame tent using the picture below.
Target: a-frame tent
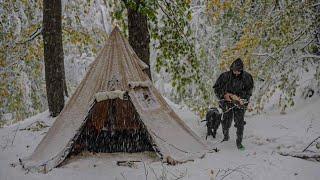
(115, 79)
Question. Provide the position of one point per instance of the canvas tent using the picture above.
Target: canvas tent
(116, 95)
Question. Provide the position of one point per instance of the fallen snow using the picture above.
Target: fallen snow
(265, 136)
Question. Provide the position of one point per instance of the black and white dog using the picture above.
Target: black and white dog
(213, 118)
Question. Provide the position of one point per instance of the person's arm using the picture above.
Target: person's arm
(219, 88)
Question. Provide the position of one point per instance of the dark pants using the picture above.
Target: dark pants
(238, 115)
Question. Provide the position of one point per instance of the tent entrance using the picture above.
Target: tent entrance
(113, 125)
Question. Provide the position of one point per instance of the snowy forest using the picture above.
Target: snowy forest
(187, 45)
(191, 42)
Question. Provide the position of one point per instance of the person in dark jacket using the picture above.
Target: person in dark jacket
(234, 89)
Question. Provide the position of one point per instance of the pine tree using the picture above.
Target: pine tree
(139, 37)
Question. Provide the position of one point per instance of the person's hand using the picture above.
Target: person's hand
(250, 108)
(241, 102)
(227, 97)
(234, 97)
(237, 98)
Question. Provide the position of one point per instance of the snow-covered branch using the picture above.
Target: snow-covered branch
(33, 36)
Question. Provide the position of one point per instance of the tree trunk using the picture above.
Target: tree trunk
(139, 37)
(53, 55)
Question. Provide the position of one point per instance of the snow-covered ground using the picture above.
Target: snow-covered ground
(265, 136)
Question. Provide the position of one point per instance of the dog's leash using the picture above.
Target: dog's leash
(235, 105)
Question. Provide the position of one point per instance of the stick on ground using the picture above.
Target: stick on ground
(310, 144)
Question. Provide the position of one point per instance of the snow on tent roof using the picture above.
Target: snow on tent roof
(116, 69)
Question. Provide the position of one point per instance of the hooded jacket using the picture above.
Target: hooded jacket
(241, 85)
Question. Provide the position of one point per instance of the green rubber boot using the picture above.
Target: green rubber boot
(241, 147)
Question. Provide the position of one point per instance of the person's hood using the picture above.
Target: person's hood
(237, 65)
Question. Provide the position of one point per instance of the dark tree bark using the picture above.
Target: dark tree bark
(53, 55)
(317, 30)
(139, 37)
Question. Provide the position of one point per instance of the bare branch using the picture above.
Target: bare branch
(33, 35)
(237, 169)
(302, 155)
(316, 4)
(309, 56)
(310, 144)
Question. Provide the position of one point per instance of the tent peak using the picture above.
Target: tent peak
(115, 30)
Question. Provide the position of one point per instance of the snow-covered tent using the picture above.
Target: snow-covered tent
(115, 108)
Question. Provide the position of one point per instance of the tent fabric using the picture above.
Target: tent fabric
(114, 69)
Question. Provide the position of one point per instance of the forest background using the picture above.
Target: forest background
(192, 42)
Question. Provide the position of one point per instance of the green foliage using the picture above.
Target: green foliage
(20, 58)
(169, 26)
(176, 52)
(273, 38)
(119, 16)
(22, 85)
(194, 42)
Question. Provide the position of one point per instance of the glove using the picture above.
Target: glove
(237, 99)
(227, 97)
